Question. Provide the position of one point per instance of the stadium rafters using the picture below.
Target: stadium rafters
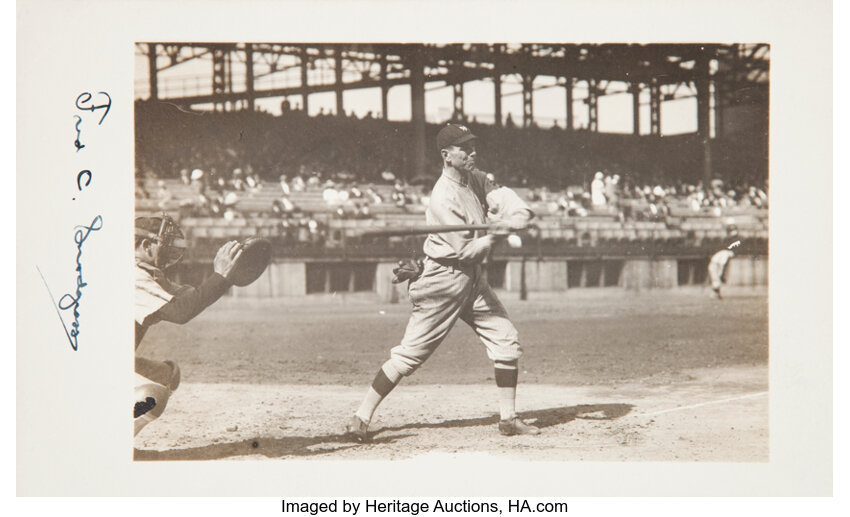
(719, 76)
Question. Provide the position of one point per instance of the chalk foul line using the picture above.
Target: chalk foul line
(701, 404)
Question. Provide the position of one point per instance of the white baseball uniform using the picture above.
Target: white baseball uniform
(453, 284)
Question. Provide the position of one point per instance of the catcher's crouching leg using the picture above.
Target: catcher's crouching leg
(150, 401)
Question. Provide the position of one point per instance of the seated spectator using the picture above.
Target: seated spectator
(219, 188)
(231, 199)
(215, 208)
(230, 213)
(253, 182)
(342, 194)
(399, 195)
(373, 196)
(612, 185)
(284, 185)
(199, 188)
(362, 211)
(163, 195)
(330, 195)
(237, 181)
(141, 191)
(287, 205)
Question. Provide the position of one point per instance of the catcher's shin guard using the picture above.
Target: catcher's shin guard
(151, 399)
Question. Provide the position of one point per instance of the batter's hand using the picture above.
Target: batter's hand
(518, 222)
(500, 229)
(226, 257)
(407, 269)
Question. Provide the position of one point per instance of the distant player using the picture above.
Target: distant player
(160, 244)
(453, 284)
(720, 260)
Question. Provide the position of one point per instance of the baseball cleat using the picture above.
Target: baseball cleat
(357, 429)
(514, 426)
(174, 378)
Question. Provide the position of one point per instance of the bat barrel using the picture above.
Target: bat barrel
(423, 229)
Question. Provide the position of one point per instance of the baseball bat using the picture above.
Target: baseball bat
(422, 229)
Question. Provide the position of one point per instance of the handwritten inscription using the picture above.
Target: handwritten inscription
(87, 174)
(84, 102)
(88, 104)
(69, 301)
(77, 143)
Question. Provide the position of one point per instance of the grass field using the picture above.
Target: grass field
(656, 375)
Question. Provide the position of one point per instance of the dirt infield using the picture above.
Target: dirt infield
(607, 375)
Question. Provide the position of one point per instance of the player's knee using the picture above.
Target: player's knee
(508, 353)
(406, 359)
(404, 365)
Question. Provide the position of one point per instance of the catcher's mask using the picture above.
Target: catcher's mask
(167, 242)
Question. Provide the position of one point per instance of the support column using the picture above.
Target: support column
(497, 86)
(718, 110)
(457, 113)
(527, 100)
(219, 78)
(417, 110)
(152, 72)
(655, 108)
(304, 91)
(703, 129)
(384, 87)
(592, 106)
(340, 109)
(249, 74)
(635, 91)
(570, 84)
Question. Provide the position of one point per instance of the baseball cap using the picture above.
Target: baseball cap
(453, 134)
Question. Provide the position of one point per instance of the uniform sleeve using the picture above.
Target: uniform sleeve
(502, 202)
(150, 296)
(465, 245)
(190, 301)
(507, 205)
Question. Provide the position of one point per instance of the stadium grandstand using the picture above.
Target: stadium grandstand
(250, 139)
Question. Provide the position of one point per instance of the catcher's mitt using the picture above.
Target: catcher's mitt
(407, 269)
(255, 257)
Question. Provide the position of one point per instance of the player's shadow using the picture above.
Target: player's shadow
(268, 447)
(541, 418)
(329, 444)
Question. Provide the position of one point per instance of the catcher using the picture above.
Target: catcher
(160, 244)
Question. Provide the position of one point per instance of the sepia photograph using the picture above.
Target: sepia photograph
(401, 251)
(375, 251)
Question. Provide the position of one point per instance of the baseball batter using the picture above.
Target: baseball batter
(453, 284)
(720, 260)
(159, 245)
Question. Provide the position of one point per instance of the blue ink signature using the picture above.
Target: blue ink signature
(68, 301)
(86, 97)
(79, 145)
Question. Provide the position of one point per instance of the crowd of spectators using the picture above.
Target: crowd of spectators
(610, 194)
(358, 164)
